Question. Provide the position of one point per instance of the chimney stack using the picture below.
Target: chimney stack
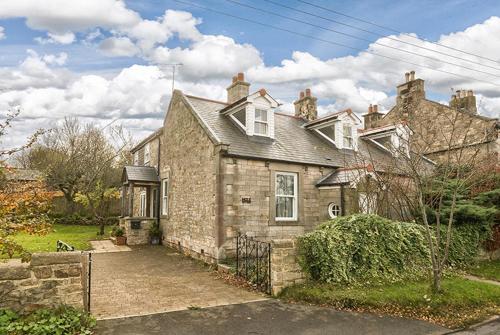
(306, 106)
(464, 101)
(372, 117)
(411, 91)
(238, 88)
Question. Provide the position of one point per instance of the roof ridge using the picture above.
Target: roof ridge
(206, 99)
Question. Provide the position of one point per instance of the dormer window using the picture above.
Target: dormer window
(261, 125)
(348, 137)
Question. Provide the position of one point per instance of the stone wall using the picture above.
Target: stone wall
(249, 205)
(188, 160)
(50, 279)
(285, 269)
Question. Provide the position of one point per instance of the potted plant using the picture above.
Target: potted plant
(155, 234)
(120, 238)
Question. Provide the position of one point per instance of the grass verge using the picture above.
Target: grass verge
(463, 302)
(78, 236)
(486, 269)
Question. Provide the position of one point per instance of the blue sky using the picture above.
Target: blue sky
(85, 55)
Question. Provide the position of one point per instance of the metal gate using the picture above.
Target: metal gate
(253, 262)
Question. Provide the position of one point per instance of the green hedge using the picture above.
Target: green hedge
(369, 248)
(63, 320)
(77, 219)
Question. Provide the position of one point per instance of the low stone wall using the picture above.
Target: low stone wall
(50, 279)
(285, 269)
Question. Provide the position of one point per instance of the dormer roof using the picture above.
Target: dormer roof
(249, 99)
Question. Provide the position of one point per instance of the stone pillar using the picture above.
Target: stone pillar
(285, 268)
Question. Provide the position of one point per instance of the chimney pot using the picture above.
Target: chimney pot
(412, 75)
(238, 88)
(370, 109)
(262, 92)
(241, 76)
(308, 92)
(375, 108)
(302, 95)
(470, 93)
(407, 76)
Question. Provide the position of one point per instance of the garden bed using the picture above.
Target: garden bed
(463, 302)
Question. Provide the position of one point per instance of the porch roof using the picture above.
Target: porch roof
(140, 174)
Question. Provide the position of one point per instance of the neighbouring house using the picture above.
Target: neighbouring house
(218, 169)
(456, 126)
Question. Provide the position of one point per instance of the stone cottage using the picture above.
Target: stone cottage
(438, 127)
(219, 168)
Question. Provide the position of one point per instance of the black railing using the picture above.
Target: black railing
(253, 262)
(62, 246)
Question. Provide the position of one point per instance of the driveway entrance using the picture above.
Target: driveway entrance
(151, 280)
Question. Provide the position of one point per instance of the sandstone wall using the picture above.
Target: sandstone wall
(285, 269)
(188, 160)
(50, 279)
(249, 200)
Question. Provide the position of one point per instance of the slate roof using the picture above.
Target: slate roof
(337, 177)
(293, 143)
(145, 174)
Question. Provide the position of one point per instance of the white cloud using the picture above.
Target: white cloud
(2, 33)
(118, 46)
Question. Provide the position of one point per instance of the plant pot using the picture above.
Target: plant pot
(155, 240)
(121, 240)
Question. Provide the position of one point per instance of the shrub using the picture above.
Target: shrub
(63, 320)
(363, 248)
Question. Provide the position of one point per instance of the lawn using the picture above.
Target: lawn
(75, 235)
(486, 269)
(463, 302)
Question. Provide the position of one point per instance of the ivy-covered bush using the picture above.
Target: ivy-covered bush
(361, 248)
(364, 248)
(63, 320)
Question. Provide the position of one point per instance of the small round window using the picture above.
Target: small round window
(333, 210)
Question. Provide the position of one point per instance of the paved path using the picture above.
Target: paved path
(156, 279)
(488, 328)
(107, 246)
(266, 317)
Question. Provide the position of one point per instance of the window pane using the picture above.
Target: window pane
(260, 128)
(260, 115)
(284, 184)
(284, 207)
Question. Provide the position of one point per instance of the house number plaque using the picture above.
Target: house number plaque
(246, 200)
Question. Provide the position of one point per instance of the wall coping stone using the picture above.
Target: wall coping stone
(283, 243)
(50, 258)
(14, 271)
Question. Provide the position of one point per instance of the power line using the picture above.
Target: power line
(359, 38)
(394, 30)
(329, 41)
(379, 35)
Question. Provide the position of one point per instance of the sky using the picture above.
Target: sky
(108, 60)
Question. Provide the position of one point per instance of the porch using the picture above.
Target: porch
(140, 198)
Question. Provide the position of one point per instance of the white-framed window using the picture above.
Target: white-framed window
(333, 210)
(367, 203)
(164, 196)
(347, 133)
(142, 208)
(286, 196)
(260, 122)
(136, 158)
(147, 154)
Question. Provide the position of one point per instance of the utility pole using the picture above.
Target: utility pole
(174, 67)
